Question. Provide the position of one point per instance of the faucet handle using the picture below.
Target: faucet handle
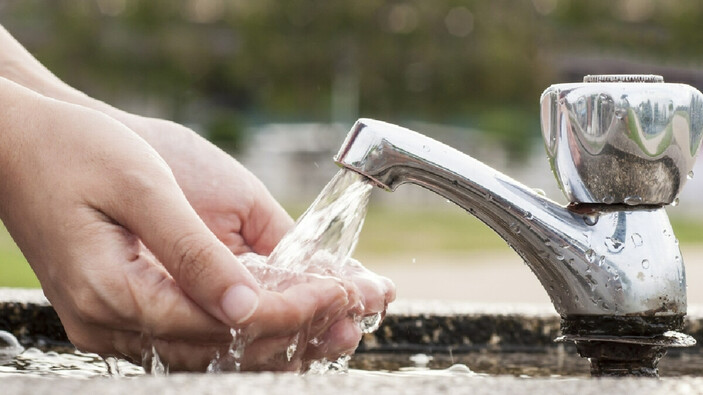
(622, 139)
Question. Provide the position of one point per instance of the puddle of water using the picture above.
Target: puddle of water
(554, 362)
(36, 363)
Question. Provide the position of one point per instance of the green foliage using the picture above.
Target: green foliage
(225, 129)
(386, 232)
(479, 63)
(14, 269)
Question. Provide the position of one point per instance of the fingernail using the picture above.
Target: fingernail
(239, 303)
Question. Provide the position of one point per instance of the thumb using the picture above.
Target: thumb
(147, 201)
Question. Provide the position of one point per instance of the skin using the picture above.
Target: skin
(133, 224)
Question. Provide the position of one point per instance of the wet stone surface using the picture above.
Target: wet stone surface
(489, 339)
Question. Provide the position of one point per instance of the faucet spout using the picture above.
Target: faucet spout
(593, 260)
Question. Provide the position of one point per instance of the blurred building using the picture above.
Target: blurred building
(295, 161)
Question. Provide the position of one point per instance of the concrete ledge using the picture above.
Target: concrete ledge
(286, 384)
(410, 326)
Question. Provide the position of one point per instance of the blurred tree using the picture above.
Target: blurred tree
(476, 63)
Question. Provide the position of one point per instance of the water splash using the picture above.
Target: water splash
(325, 366)
(113, 368)
(9, 346)
(231, 360)
(330, 226)
(151, 362)
(321, 242)
(292, 347)
(370, 323)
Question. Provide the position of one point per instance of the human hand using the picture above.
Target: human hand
(241, 212)
(230, 200)
(88, 202)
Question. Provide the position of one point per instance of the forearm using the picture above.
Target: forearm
(14, 105)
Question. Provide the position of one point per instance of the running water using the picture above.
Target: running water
(325, 235)
(321, 242)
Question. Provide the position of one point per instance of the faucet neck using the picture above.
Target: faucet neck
(610, 260)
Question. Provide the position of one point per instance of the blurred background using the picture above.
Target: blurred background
(279, 83)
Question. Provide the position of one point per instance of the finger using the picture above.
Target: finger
(128, 289)
(376, 291)
(266, 224)
(298, 307)
(341, 339)
(147, 201)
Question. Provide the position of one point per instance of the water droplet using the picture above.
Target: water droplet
(614, 245)
(292, 347)
(421, 360)
(677, 259)
(590, 219)
(645, 264)
(559, 257)
(633, 200)
(539, 191)
(529, 216)
(370, 323)
(619, 114)
(590, 255)
(601, 261)
(637, 239)
(426, 148)
(690, 175)
(113, 369)
(676, 241)
(515, 228)
(608, 200)
(675, 202)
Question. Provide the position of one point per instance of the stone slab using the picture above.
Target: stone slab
(286, 384)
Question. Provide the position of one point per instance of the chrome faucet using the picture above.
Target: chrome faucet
(621, 147)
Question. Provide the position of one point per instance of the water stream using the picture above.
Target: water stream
(321, 242)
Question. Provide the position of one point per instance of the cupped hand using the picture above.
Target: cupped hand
(121, 254)
(241, 212)
(234, 205)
